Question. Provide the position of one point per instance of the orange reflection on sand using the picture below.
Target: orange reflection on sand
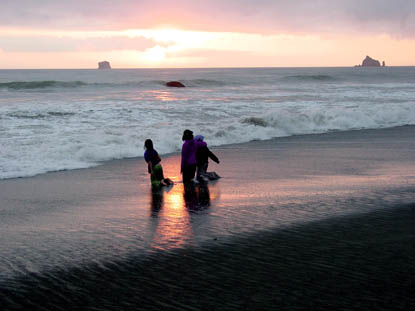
(214, 192)
(297, 190)
(173, 229)
(175, 200)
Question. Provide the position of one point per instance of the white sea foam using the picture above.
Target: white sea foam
(88, 117)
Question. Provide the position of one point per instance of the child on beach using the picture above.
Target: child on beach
(202, 158)
(155, 169)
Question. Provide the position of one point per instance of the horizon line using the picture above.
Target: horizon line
(215, 67)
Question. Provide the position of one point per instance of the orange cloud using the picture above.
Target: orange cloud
(36, 48)
(48, 43)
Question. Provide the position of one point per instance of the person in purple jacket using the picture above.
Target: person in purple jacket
(188, 165)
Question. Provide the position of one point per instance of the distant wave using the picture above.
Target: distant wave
(187, 83)
(34, 115)
(25, 85)
(50, 84)
(162, 83)
(203, 82)
(309, 78)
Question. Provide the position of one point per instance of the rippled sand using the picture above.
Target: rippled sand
(350, 263)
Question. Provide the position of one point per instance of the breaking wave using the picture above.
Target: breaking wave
(53, 84)
(81, 140)
(255, 121)
(315, 119)
(95, 117)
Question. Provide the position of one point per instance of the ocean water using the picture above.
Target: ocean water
(100, 239)
(53, 120)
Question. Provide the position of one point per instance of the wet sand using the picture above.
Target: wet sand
(307, 222)
(352, 263)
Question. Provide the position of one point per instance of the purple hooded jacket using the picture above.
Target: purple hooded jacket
(189, 153)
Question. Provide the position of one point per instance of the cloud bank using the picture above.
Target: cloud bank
(39, 44)
(396, 18)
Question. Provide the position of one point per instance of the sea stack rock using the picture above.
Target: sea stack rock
(175, 84)
(370, 62)
(104, 65)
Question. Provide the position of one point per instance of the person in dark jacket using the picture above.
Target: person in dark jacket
(202, 158)
(155, 170)
(188, 164)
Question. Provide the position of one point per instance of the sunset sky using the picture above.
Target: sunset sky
(212, 33)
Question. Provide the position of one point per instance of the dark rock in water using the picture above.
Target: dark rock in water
(104, 65)
(175, 84)
(370, 62)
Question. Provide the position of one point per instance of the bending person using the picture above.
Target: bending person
(154, 167)
(202, 158)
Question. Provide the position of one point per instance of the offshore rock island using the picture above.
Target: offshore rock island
(370, 62)
(104, 65)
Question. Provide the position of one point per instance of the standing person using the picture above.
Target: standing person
(188, 165)
(202, 158)
(154, 167)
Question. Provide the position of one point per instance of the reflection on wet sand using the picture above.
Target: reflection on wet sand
(196, 198)
(170, 212)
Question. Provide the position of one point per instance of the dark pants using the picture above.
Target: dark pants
(201, 170)
(188, 173)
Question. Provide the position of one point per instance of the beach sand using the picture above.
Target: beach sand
(305, 222)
